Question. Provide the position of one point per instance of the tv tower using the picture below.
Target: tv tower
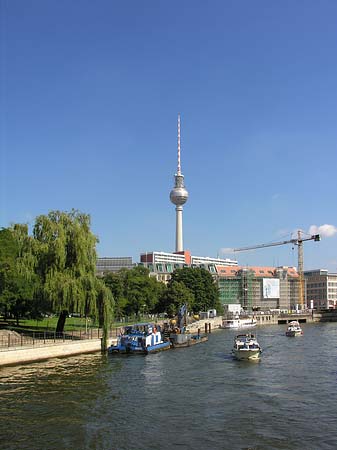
(178, 197)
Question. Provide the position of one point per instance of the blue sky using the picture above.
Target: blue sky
(90, 93)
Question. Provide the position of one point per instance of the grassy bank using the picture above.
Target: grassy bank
(71, 324)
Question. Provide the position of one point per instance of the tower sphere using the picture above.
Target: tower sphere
(179, 195)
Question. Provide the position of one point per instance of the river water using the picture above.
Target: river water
(192, 398)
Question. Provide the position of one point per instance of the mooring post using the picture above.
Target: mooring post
(206, 328)
(209, 327)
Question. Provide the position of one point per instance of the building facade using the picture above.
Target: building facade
(321, 289)
(162, 264)
(259, 288)
(113, 264)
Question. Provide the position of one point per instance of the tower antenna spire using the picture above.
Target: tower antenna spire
(179, 164)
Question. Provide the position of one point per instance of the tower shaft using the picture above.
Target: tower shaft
(179, 229)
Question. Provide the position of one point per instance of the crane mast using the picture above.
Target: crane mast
(301, 290)
(297, 241)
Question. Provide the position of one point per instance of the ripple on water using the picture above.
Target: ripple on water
(194, 398)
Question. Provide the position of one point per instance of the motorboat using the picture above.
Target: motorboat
(294, 329)
(238, 322)
(141, 338)
(246, 347)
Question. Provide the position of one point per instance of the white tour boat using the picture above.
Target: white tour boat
(294, 329)
(246, 347)
(239, 322)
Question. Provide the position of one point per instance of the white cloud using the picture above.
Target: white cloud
(324, 230)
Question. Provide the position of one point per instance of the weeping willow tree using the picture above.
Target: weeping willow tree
(26, 259)
(105, 302)
(66, 263)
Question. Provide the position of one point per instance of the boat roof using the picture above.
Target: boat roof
(246, 335)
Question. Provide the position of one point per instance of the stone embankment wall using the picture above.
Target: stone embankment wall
(21, 355)
(302, 317)
(200, 324)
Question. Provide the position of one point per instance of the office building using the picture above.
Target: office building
(162, 264)
(113, 264)
(321, 289)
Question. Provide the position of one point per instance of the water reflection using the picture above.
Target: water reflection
(154, 369)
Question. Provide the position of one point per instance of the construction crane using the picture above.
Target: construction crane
(296, 241)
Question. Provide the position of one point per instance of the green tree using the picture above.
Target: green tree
(173, 297)
(66, 263)
(114, 282)
(8, 254)
(200, 282)
(18, 282)
(141, 291)
(134, 291)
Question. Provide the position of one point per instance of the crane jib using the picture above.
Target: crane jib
(315, 237)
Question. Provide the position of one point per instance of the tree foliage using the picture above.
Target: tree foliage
(54, 270)
(66, 261)
(18, 282)
(8, 254)
(201, 284)
(173, 297)
(115, 283)
(134, 291)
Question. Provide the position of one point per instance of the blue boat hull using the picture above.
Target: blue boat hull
(139, 350)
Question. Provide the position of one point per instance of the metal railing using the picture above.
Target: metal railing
(38, 339)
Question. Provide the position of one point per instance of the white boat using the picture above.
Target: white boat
(246, 347)
(294, 329)
(239, 322)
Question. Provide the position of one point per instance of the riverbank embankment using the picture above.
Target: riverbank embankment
(42, 350)
(46, 350)
(22, 355)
